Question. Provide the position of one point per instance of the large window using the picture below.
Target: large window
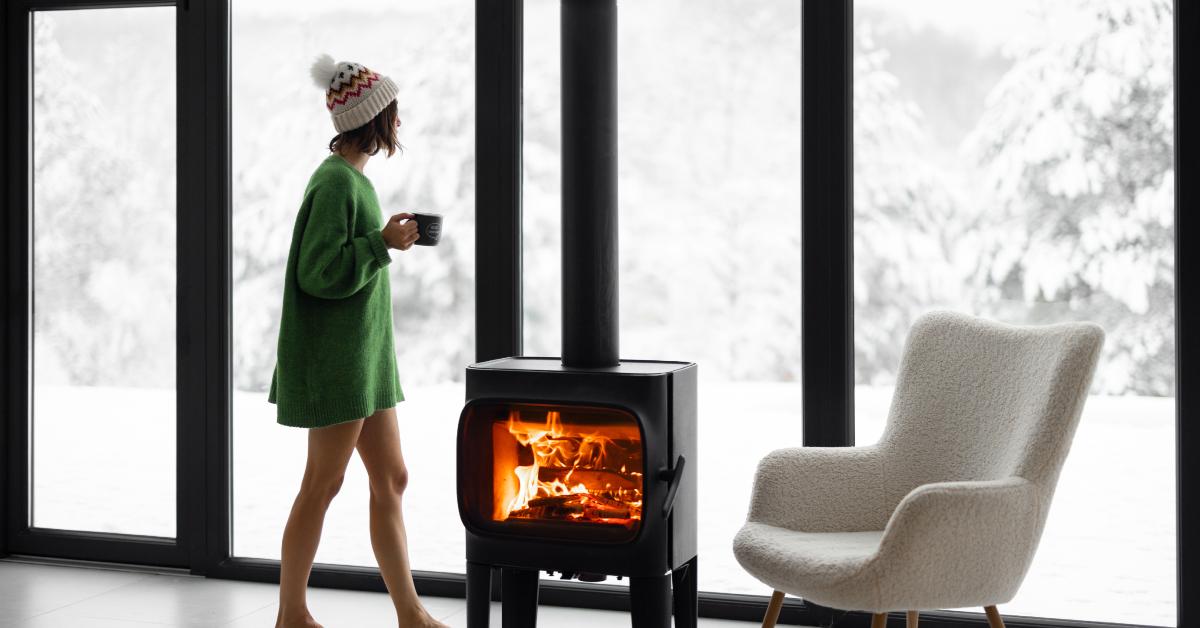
(281, 131)
(102, 351)
(709, 225)
(1011, 159)
(1015, 160)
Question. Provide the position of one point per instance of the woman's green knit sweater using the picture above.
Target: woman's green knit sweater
(336, 360)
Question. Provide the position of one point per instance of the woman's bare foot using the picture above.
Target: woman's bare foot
(296, 621)
(421, 619)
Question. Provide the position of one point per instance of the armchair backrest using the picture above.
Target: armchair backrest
(977, 399)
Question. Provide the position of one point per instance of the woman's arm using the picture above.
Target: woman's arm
(333, 265)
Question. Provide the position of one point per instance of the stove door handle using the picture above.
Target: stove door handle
(673, 477)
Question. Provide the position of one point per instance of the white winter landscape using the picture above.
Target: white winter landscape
(1012, 159)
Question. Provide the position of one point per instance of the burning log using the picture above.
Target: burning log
(576, 506)
(602, 481)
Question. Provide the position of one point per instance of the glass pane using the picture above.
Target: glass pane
(103, 346)
(709, 225)
(281, 132)
(1014, 160)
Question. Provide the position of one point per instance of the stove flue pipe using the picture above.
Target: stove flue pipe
(589, 184)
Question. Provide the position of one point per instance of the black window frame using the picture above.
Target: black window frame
(204, 287)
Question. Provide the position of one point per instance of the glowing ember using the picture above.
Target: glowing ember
(564, 471)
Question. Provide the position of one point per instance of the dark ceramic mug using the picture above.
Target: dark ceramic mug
(429, 228)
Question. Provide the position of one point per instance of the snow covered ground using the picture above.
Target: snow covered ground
(104, 460)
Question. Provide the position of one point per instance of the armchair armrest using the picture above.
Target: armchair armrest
(962, 540)
(821, 489)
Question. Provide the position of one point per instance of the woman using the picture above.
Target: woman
(336, 368)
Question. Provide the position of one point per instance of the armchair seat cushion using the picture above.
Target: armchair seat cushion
(830, 567)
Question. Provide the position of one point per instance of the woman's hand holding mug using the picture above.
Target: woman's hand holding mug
(400, 235)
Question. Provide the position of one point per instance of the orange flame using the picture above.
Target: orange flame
(575, 475)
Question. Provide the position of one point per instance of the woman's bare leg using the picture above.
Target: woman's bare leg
(379, 449)
(329, 449)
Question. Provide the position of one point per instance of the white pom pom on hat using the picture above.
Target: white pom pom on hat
(354, 94)
(322, 70)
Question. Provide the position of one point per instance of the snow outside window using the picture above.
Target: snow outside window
(1014, 160)
(103, 256)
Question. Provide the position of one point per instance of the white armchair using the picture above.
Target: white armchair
(946, 510)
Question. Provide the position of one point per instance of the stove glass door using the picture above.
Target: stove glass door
(554, 470)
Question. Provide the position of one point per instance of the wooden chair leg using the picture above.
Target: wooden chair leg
(914, 618)
(879, 620)
(773, 609)
(993, 615)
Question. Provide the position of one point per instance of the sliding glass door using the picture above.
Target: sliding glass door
(1015, 160)
(102, 297)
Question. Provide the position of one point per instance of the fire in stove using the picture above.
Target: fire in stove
(554, 469)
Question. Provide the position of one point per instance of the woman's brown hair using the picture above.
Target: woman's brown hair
(372, 137)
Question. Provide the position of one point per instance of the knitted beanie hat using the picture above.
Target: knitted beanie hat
(353, 93)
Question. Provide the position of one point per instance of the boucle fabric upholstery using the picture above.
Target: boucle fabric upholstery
(946, 510)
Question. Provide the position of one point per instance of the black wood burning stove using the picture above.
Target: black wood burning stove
(583, 471)
(584, 466)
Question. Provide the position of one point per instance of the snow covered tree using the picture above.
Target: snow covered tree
(709, 184)
(1077, 154)
(910, 230)
(103, 219)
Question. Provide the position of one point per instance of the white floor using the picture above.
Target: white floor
(35, 594)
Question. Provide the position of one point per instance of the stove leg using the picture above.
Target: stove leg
(479, 586)
(650, 601)
(519, 593)
(683, 590)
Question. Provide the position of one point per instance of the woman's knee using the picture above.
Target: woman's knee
(390, 483)
(321, 487)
